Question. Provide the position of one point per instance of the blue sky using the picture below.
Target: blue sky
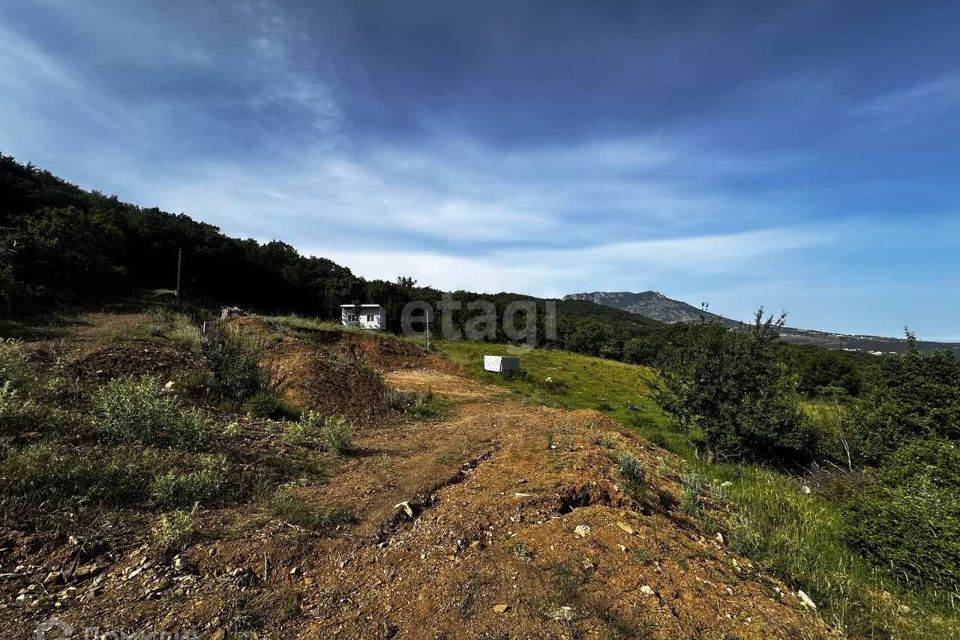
(803, 156)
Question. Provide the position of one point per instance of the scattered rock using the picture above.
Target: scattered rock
(806, 601)
(563, 614)
(581, 531)
(501, 608)
(646, 590)
(54, 577)
(407, 509)
(806, 489)
(623, 525)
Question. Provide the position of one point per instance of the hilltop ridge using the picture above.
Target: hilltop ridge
(657, 306)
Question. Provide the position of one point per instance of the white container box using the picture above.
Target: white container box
(500, 364)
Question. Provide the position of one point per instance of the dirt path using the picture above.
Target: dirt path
(501, 520)
(492, 551)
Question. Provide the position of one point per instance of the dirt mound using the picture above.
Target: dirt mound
(312, 380)
(383, 352)
(137, 358)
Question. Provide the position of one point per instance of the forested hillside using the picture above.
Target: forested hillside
(61, 244)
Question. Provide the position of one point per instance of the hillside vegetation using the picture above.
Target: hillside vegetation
(821, 541)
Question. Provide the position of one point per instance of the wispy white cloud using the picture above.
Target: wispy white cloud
(615, 265)
(907, 106)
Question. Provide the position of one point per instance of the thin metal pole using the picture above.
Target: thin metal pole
(179, 262)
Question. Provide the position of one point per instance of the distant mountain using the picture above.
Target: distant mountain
(656, 306)
(649, 304)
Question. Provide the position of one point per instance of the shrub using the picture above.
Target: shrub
(209, 484)
(909, 519)
(691, 487)
(288, 506)
(175, 531)
(916, 395)
(331, 433)
(54, 476)
(130, 409)
(731, 388)
(335, 434)
(234, 357)
(634, 474)
(267, 405)
(296, 432)
(419, 405)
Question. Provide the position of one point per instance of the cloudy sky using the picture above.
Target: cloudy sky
(800, 155)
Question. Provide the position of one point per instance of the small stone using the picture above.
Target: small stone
(54, 577)
(719, 537)
(646, 590)
(295, 571)
(563, 614)
(806, 489)
(501, 608)
(627, 528)
(806, 601)
(581, 531)
(407, 509)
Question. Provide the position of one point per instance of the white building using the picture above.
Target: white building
(365, 316)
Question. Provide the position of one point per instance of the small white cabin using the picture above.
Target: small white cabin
(501, 364)
(365, 316)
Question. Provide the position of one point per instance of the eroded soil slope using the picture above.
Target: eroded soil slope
(500, 520)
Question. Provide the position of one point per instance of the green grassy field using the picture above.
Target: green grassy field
(571, 381)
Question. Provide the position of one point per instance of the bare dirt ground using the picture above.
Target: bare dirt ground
(500, 520)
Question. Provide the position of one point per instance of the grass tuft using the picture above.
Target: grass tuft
(138, 410)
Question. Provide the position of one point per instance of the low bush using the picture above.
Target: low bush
(634, 474)
(334, 433)
(175, 530)
(419, 405)
(211, 483)
(265, 404)
(234, 356)
(52, 476)
(138, 410)
(330, 433)
(290, 507)
(691, 492)
(908, 520)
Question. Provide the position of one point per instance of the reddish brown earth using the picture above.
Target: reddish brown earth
(490, 548)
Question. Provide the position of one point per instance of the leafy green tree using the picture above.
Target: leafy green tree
(912, 396)
(728, 389)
